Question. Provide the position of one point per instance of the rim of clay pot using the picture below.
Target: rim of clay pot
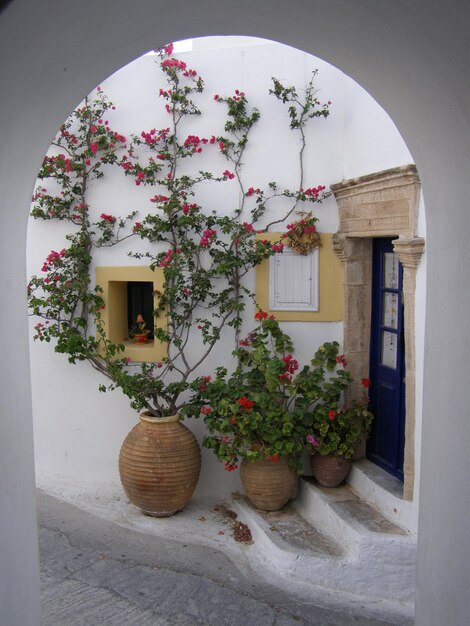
(147, 417)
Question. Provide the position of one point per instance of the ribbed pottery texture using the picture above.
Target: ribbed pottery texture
(329, 470)
(268, 485)
(159, 465)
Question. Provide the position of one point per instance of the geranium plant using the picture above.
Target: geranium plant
(335, 427)
(203, 255)
(247, 412)
(270, 407)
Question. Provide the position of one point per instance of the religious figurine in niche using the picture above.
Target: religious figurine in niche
(139, 331)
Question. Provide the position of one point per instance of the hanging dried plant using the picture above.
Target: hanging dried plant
(302, 235)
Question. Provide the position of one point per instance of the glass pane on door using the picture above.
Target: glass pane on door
(389, 349)
(390, 271)
(390, 309)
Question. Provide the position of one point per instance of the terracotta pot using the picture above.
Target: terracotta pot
(268, 485)
(142, 338)
(329, 470)
(159, 465)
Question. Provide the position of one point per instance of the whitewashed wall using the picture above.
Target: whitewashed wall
(78, 431)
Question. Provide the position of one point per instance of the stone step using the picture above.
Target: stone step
(333, 539)
(289, 532)
(353, 523)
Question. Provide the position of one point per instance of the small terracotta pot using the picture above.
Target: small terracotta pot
(159, 465)
(268, 485)
(329, 470)
(141, 338)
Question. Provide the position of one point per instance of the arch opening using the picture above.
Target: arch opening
(358, 139)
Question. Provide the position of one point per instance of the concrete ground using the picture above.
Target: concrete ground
(170, 572)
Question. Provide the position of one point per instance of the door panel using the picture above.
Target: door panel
(387, 371)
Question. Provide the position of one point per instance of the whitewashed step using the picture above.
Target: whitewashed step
(355, 524)
(331, 539)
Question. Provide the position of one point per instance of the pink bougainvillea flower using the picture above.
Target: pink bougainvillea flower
(94, 148)
(108, 218)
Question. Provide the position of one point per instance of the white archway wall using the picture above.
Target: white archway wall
(43, 56)
(82, 448)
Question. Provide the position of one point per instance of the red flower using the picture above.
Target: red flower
(331, 415)
(292, 365)
(273, 457)
(233, 420)
(230, 466)
(341, 360)
(245, 403)
(261, 315)
(366, 382)
(206, 410)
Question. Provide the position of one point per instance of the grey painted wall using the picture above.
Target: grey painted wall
(413, 57)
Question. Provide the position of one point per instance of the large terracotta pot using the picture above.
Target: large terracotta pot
(268, 485)
(159, 465)
(329, 470)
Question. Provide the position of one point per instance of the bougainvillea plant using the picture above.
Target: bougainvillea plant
(63, 295)
(204, 255)
(270, 407)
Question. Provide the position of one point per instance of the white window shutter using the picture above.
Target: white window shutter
(293, 281)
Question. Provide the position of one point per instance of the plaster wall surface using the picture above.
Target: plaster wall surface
(78, 439)
(414, 59)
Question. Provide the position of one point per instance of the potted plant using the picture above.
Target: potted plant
(248, 416)
(335, 427)
(202, 254)
(139, 331)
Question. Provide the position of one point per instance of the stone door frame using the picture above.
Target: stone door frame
(383, 204)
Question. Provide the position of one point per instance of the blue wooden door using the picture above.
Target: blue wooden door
(387, 361)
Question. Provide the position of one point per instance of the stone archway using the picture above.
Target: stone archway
(383, 204)
(43, 55)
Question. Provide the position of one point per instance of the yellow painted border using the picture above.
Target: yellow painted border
(330, 296)
(113, 281)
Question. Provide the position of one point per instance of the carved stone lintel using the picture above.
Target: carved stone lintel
(382, 204)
